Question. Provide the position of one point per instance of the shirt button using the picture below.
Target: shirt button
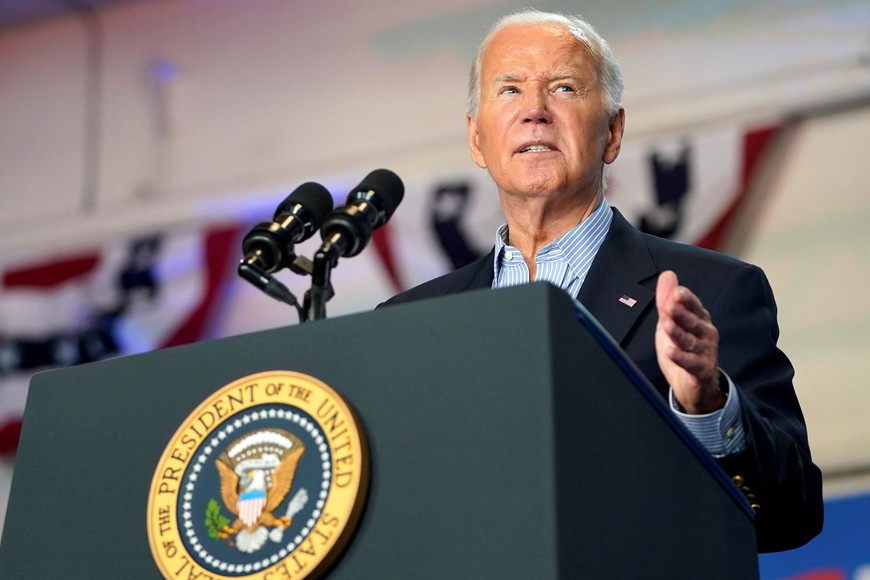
(729, 433)
(509, 256)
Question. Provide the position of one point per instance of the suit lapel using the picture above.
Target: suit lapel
(620, 268)
(613, 291)
(482, 274)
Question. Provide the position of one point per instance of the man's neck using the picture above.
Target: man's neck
(536, 223)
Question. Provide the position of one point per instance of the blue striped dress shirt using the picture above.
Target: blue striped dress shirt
(565, 263)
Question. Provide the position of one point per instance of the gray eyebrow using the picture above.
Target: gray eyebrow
(506, 78)
(510, 78)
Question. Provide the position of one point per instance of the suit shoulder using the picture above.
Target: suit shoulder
(667, 252)
(715, 277)
(626, 241)
(476, 275)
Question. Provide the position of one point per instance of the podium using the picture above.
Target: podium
(509, 437)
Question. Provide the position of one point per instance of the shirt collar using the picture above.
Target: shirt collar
(575, 245)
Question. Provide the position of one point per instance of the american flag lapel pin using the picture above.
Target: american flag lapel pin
(627, 301)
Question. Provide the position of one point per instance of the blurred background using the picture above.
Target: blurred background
(141, 139)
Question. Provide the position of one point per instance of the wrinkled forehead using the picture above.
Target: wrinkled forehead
(518, 45)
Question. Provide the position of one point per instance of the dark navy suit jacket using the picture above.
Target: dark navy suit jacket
(776, 465)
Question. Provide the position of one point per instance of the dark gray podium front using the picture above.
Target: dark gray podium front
(507, 439)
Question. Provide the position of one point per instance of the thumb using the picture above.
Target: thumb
(666, 284)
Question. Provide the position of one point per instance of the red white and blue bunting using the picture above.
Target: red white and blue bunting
(171, 288)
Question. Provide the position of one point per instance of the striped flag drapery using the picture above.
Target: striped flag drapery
(165, 289)
(85, 305)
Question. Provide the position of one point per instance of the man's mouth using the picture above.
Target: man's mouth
(536, 149)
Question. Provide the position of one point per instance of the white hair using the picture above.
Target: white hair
(603, 61)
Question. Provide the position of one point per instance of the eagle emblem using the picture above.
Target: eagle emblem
(256, 475)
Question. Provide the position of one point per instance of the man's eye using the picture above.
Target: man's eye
(564, 89)
(508, 91)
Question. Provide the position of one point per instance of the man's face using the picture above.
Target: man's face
(541, 127)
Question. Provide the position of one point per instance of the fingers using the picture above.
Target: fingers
(694, 341)
(680, 304)
(691, 317)
(688, 338)
(687, 346)
(700, 339)
(697, 357)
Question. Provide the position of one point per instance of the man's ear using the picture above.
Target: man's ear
(474, 141)
(614, 136)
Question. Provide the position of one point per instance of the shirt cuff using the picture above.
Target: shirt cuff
(720, 432)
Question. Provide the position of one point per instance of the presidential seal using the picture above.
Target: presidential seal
(266, 479)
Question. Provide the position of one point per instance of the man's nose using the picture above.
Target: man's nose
(536, 109)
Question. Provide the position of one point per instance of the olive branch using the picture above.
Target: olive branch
(215, 521)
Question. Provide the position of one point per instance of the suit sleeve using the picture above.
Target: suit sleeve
(776, 467)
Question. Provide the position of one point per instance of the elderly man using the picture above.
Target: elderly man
(545, 119)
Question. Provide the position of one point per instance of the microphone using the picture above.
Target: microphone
(348, 229)
(269, 245)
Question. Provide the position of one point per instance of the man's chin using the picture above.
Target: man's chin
(539, 186)
(540, 180)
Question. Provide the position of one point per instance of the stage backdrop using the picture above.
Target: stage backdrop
(170, 287)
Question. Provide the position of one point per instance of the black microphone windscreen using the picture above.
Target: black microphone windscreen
(388, 185)
(315, 198)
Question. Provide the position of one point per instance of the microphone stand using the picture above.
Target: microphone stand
(320, 270)
(321, 290)
(345, 232)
